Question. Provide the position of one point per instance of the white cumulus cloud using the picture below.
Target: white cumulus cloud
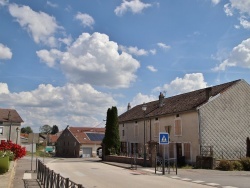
(72, 104)
(94, 59)
(5, 52)
(215, 2)
(241, 6)
(86, 20)
(189, 82)
(141, 98)
(151, 68)
(40, 25)
(133, 50)
(163, 46)
(49, 57)
(4, 2)
(135, 6)
(4, 88)
(244, 22)
(239, 56)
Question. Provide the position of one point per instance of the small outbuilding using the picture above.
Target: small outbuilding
(79, 142)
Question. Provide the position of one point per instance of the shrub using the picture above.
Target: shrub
(245, 163)
(11, 148)
(237, 165)
(225, 165)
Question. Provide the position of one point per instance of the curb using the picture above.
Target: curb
(12, 174)
(117, 165)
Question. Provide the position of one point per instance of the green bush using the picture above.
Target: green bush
(225, 165)
(245, 163)
(237, 165)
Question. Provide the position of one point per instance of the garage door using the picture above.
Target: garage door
(86, 152)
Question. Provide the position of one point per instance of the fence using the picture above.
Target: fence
(166, 165)
(49, 179)
(207, 151)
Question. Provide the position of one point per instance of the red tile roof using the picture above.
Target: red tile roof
(53, 138)
(175, 104)
(80, 134)
(10, 115)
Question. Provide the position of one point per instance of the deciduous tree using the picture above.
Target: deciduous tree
(26, 130)
(45, 129)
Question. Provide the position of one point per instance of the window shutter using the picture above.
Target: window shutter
(156, 129)
(177, 127)
(187, 151)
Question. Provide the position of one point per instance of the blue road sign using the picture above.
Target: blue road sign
(163, 138)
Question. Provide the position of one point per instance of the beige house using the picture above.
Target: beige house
(10, 123)
(79, 142)
(213, 121)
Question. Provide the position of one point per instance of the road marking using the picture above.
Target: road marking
(175, 177)
(26, 176)
(149, 170)
(186, 179)
(198, 181)
(79, 173)
(228, 187)
(212, 184)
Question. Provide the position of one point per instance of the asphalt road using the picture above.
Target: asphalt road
(93, 174)
(230, 179)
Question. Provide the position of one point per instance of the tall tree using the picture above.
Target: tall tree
(111, 139)
(26, 130)
(45, 129)
(54, 129)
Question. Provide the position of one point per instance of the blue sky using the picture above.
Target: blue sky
(66, 62)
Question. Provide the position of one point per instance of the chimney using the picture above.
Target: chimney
(208, 92)
(161, 99)
(129, 107)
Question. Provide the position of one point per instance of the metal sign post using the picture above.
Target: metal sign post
(163, 139)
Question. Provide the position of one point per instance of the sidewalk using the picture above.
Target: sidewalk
(25, 174)
(7, 177)
(20, 175)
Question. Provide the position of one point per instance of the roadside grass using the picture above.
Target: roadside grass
(40, 152)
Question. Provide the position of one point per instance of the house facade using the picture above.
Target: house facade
(213, 121)
(79, 142)
(10, 123)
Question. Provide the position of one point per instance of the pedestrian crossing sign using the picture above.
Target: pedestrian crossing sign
(163, 138)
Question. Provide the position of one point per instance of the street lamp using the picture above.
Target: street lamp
(17, 130)
(9, 116)
(144, 108)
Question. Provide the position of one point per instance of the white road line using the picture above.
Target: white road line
(228, 187)
(212, 184)
(186, 179)
(26, 176)
(198, 181)
(175, 177)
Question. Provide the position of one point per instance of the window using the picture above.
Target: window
(136, 130)
(1, 130)
(124, 147)
(187, 151)
(156, 129)
(177, 128)
(168, 129)
(123, 132)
